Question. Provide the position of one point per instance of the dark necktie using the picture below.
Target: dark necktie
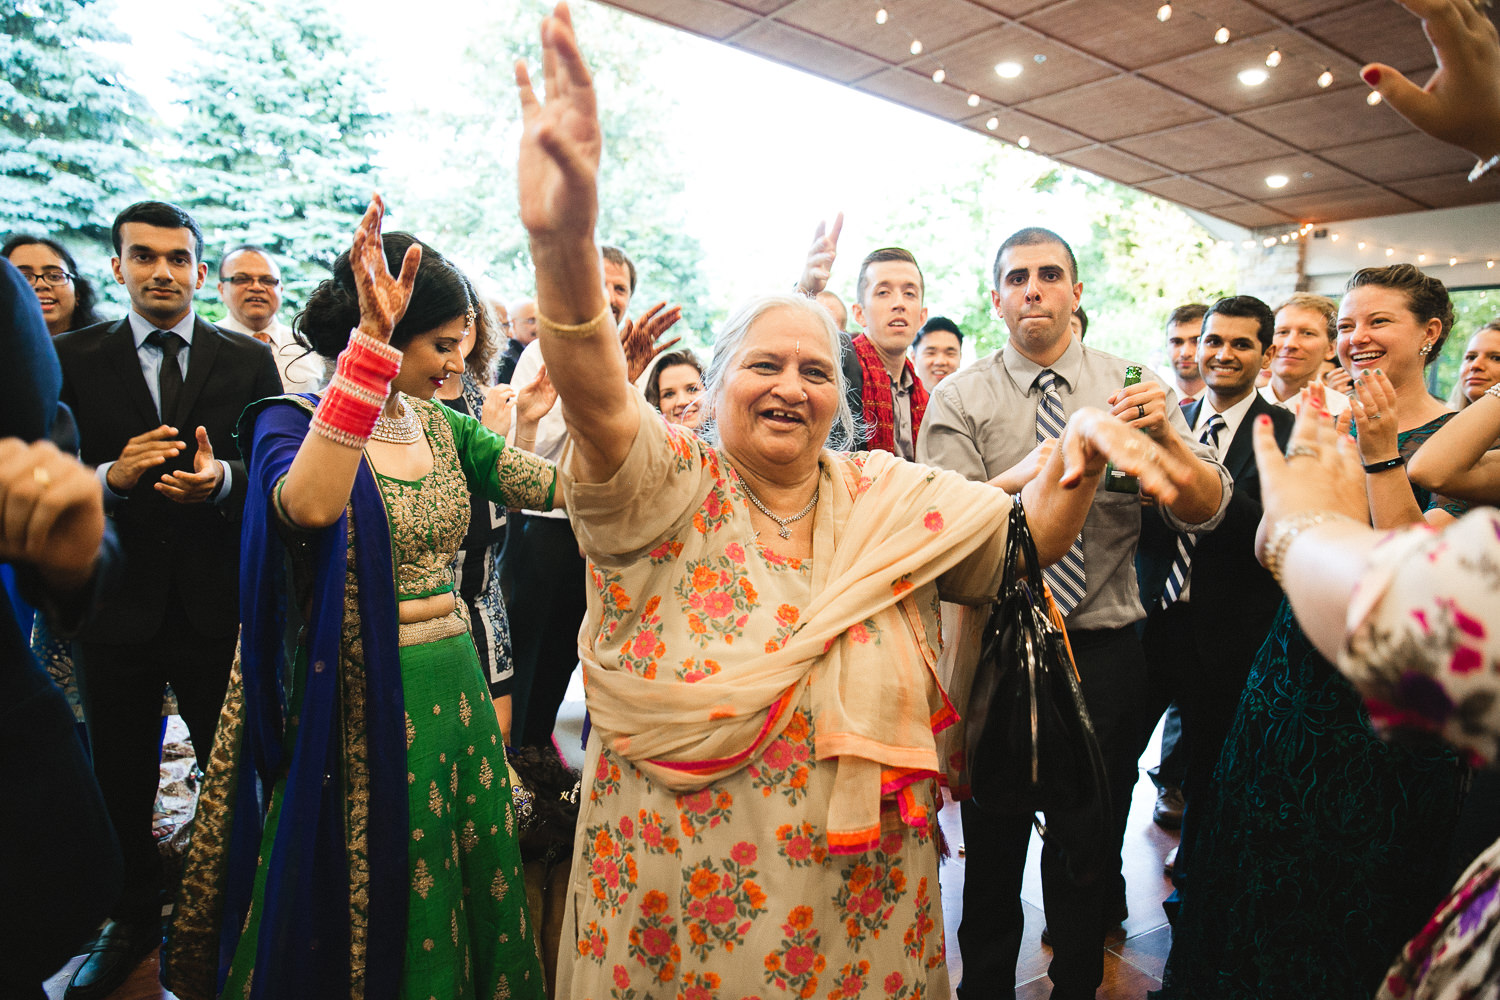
(1177, 575)
(1065, 577)
(169, 381)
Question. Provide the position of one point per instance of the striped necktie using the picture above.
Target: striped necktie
(1178, 574)
(1065, 577)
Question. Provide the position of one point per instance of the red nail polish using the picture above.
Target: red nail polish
(1371, 76)
(1263, 420)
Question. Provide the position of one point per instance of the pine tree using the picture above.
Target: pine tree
(277, 147)
(70, 130)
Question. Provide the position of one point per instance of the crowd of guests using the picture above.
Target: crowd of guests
(366, 552)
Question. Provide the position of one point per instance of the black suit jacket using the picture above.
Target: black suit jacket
(192, 546)
(1233, 598)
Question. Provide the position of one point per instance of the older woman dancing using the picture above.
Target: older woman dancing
(759, 647)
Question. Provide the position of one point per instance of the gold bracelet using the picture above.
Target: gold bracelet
(1287, 530)
(575, 331)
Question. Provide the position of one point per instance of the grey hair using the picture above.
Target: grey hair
(731, 339)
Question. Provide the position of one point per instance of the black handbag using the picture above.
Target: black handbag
(1032, 748)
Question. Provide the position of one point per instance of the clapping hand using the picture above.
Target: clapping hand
(561, 143)
(200, 484)
(1374, 412)
(1320, 472)
(639, 338)
(820, 257)
(382, 298)
(1460, 104)
(535, 399)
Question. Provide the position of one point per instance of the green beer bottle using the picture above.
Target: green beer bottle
(1114, 480)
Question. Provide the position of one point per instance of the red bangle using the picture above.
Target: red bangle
(355, 396)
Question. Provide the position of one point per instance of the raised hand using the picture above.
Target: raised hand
(498, 404)
(561, 143)
(200, 484)
(1460, 104)
(51, 512)
(1320, 472)
(639, 338)
(535, 399)
(820, 257)
(382, 298)
(1374, 410)
(142, 452)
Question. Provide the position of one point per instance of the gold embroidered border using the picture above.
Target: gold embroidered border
(353, 684)
(431, 630)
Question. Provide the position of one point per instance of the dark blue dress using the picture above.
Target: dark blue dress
(1323, 848)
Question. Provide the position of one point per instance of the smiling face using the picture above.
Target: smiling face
(429, 359)
(250, 288)
(159, 269)
(938, 355)
(891, 311)
(58, 300)
(1300, 344)
(779, 394)
(617, 288)
(1036, 299)
(1481, 364)
(678, 388)
(1230, 357)
(1377, 329)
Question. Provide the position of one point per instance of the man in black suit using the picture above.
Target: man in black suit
(156, 396)
(1209, 605)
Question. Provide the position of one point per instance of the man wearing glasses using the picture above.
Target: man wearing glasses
(250, 288)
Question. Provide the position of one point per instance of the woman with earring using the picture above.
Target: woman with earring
(1322, 847)
(356, 834)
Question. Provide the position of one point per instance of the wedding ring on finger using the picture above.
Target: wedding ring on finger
(1298, 450)
(1141, 407)
(41, 476)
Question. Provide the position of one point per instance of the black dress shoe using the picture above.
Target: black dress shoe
(1115, 914)
(1168, 811)
(113, 956)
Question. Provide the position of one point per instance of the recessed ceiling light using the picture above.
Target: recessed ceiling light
(1008, 70)
(1253, 77)
(1276, 181)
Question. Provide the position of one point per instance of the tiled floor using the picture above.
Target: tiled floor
(1133, 957)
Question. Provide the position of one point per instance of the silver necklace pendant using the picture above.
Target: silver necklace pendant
(783, 523)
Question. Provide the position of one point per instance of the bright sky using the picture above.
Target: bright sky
(820, 148)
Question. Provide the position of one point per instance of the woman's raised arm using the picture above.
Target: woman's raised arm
(558, 172)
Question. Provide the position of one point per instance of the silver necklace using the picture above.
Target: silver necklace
(784, 523)
(400, 429)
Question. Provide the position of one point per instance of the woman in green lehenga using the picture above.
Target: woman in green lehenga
(356, 835)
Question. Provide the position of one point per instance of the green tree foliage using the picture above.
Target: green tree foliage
(277, 145)
(462, 195)
(70, 129)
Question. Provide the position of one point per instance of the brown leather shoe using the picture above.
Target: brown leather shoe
(113, 956)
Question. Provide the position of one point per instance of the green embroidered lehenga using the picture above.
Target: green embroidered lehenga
(279, 921)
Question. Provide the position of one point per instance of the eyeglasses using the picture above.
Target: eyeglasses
(246, 280)
(47, 276)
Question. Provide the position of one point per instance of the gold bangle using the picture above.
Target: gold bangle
(574, 331)
(1287, 530)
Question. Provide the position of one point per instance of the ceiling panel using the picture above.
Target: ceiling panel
(1108, 88)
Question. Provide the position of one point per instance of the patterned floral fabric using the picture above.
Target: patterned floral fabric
(1323, 847)
(1424, 651)
(733, 889)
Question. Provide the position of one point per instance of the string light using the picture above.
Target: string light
(916, 46)
(1164, 13)
(1360, 244)
(1222, 35)
(1390, 251)
(939, 75)
(973, 100)
(992, 124)
(1024, 142)
(1452, 261)
(1373, 98)
(881, 16)
(1325, 78)
(1334, 238)
(1489, 264)
(1421, 257)
(1274, 59)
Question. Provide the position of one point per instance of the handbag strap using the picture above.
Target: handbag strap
(1019, 544)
